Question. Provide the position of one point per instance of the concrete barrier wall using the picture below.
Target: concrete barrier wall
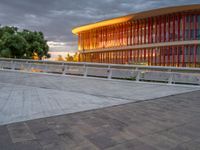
(97, 72)
(124, 73)
(171, 75)
(156, 76)
(74, 70)
(186, 78)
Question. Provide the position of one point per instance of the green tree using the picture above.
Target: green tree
(59, 58)
(22, 44)
(16, 44)
(69, 57)
(6, 53)
(36, 44)
(73, 57)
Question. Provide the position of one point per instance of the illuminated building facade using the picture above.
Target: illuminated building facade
(161, 37)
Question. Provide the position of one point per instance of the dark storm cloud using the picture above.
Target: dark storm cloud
(56, 18)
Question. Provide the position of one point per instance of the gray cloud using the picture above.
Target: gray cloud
(57, 18)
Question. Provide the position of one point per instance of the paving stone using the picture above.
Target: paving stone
(192, 145)
(72, 137)
(20, 132)
(186, 132)
(38, 125)
(132, 145)
(101, 140)
(46, 137)
(28, 145)
(56, 145)
(85, 146)
(5, 140)
(159, 141)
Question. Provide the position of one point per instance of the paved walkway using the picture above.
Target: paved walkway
(25, 96)
(169, 123)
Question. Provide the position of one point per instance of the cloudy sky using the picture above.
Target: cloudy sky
(56, 18)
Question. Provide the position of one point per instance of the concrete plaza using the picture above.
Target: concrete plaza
(26, 96)
(79, 113)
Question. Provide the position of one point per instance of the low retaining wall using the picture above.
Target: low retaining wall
(171, 75)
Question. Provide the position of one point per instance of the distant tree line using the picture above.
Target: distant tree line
(22, 44)
(71, 58)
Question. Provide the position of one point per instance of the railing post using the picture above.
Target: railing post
(25, 66)
(170, 80)
(29, 67)
(86, 70)
(46, 68)
(138, 75)
(199, 80)
(1, 67)
(109, 72)
(12, 65)
(63, 68)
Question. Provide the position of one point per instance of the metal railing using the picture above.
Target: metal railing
(170, 75)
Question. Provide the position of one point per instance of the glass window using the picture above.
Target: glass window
(186, 50)
(187, 18)
(198, 34)
(198, 50)
(192, 50)
(186, 34)
(198, 18)
(192, 18)
(192, 34)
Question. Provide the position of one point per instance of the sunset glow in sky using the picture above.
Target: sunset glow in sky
(57, 18)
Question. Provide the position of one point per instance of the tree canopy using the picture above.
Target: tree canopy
(22, 44)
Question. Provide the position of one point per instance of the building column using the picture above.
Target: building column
(131, 34)
(164, 28)
(141, 31)
(134, 34)
(168, 56)
(183, 56)
(190, 27)
(195, 57)
(173, 56)
(149, 26)
(174, 35)
(169, 19)
(145, 31)
(155, 56)
(179, 27)
(160, 56)
(160, 29)
(189, 55)
(178, 56)
(164, 53)
(148, 51)
(156, 29)
(152, 51)
(183, 32)
(195, 27)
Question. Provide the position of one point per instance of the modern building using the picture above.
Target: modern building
(160, 37)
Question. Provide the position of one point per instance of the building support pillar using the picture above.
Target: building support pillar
(195, 52)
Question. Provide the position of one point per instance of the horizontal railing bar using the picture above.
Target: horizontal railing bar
(125, 66)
